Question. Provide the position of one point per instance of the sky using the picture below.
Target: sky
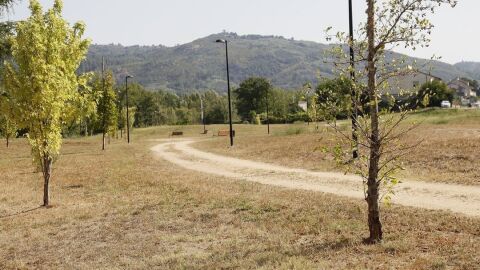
(171, 22)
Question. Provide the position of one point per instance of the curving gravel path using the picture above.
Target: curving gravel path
(455, 198)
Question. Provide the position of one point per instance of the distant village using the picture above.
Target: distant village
(465, 90)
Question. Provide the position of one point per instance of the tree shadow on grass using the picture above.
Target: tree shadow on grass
(334, 245)
(21, 212)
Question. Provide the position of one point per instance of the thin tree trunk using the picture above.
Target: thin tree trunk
(47, 170)
(7, 133)
(103, 140)
(374, 223)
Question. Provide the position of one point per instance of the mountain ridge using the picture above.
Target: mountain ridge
(200, 64)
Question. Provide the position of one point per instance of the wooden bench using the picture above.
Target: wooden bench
(177, 133)
(225, 133)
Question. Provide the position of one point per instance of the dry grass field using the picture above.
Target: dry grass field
(125, 209)
(448, 152)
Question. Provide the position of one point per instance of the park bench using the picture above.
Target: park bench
(224, 133)
(177, 133)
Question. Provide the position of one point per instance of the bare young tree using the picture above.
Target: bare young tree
(389, 24)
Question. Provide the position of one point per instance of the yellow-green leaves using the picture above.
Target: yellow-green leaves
(41, 80)
(107, 104)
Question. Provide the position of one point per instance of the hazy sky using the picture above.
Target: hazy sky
(171, 22)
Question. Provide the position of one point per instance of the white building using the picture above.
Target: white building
(462, 88)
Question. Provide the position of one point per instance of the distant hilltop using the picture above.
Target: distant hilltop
(200, 65)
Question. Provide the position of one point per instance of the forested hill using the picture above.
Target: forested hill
(471, 68)
(200, 65)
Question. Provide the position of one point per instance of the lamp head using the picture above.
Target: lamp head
(221, 41)
(129, 76)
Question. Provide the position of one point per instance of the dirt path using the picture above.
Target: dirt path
(456, 198)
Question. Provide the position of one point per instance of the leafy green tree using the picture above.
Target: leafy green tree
(216, 108)
(281, 103)
(251, 95)
(42, 80)
(334, 98)
(107, 113)
(433, 93)
(85, 108)
(8, 128)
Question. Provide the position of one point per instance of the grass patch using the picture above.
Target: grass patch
(123, 208)
(445, 116)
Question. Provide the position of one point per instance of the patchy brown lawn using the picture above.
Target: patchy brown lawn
(448, 153)
(125, 209)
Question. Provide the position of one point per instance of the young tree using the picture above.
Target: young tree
(131, 117)
(389, 24)
(8, 127)
(107, 112)
(42, 81)
(313, 109)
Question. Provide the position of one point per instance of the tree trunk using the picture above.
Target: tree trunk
(7, 129)
(47, 170)
(103, 140)
(374, 223)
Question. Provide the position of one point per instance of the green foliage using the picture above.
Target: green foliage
(216, 108)
(107, 104)
(8, 128)
(251, 101)
(252, 97)
(431, 94)
(41, 81)
(334, 98)
(166, 108)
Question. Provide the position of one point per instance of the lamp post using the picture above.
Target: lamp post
(268, 119)
(203, 114)
(104, 131)
(353, 92)
(128, 118)
(229, 95)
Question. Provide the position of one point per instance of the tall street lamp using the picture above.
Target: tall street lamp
(229, 95)
(128, 118)
(203, 114)
(268, 118)
(353, 92)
